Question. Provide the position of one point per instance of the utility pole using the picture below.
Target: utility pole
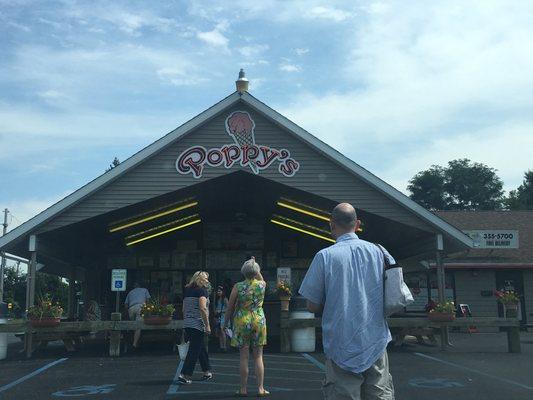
(3, 263)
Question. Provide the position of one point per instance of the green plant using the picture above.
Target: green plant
(507, 296)
(446, 307)
(283, 289)
(155, 308)
(45, 308)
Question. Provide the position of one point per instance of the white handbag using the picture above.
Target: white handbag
(183, 348)
(396, 294)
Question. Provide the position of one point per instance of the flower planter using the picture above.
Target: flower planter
(511, 310)
(441, 317)
(285, 303)
(45, 322)
(157, 320)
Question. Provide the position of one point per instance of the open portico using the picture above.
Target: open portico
(239, 179)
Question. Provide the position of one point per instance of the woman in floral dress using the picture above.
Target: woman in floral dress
(249, 324)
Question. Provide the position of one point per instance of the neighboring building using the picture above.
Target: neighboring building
(501, 259)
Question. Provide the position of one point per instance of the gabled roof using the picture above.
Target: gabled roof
(34, 223)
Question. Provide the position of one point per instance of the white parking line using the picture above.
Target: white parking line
(314, 361)
(174, 386)
(31, 375)
(474, 371)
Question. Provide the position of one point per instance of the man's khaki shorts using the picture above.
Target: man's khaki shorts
(373, 384)
(134, 312)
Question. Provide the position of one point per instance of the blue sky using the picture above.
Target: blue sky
(396, 86)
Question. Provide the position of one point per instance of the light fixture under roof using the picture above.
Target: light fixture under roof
(152, 215)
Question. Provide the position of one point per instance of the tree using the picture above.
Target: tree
(462, 185)
(15, 289)
(522, 197)
(427, 188)
(113, 164)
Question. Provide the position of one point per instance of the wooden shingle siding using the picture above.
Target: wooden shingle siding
(468, 290)
(157, 176)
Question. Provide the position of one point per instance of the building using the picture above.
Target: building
(502, 258)
(236, 180)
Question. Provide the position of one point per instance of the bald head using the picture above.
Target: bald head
(344, 218)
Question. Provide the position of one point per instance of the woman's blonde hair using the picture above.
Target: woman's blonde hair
(199, 279)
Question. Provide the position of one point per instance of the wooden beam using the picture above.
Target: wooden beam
(114, 337)
(72, 292)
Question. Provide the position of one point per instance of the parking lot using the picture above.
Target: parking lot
(476, 368)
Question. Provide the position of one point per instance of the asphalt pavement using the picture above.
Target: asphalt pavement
(477, 367)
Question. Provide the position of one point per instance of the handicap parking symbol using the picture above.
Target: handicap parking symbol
(85, 391)
(435, 383)
(118, 284)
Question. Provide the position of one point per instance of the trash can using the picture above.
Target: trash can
(303, 340)
(3, 336)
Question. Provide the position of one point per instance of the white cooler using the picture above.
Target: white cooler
(303, 340)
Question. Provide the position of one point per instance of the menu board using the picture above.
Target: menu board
(229, 259)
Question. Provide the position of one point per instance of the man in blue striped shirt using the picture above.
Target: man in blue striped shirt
(345, 284)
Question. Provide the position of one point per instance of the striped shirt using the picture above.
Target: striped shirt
(192, 317)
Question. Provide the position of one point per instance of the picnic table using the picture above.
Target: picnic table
(510, 325)
(72, 331)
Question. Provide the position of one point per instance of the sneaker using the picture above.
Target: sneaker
(184, 381)
(207, 376)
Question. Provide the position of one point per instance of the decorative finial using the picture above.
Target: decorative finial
(242, 83)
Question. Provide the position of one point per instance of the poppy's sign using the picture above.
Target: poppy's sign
(244, 151)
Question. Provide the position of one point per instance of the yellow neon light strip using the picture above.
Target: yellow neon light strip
(152, 217)
(302, 231)
(298, 223)
(164, 232)
(158, 228)
(312, 214)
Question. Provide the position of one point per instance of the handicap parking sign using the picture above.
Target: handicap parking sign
(118, 280)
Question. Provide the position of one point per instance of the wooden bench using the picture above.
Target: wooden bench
(510, 325)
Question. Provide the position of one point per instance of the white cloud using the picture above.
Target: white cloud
(214, 38)
(253, 51)
(289, 67)
(328, 13)
(301, 52)
(431, 83)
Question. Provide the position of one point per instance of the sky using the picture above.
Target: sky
(396, 86)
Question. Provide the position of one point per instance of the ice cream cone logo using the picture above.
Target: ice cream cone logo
(240, 126)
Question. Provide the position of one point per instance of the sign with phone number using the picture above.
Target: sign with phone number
(494, 239)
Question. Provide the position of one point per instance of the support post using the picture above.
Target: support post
(30, 291)
(513, 339)
(441, 284)
(285, 332)
(72, 293)
(114, 337)
(3, 261)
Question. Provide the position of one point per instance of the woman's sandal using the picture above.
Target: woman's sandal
(238, 393)
(266, 393)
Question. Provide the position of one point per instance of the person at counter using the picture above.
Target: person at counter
(134, 302)
(221, 305)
